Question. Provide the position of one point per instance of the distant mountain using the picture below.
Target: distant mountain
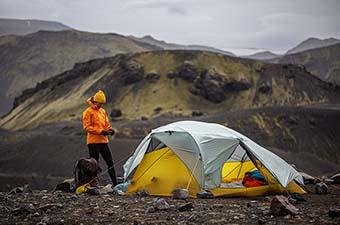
(22, 27)
(323, 62)
(26, 60)
(171, 46)
(170, 83)
(266, 55)
(312, 43)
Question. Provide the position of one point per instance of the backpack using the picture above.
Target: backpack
(86, 171)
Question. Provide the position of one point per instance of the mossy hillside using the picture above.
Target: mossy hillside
(50, 106)
(64, 99)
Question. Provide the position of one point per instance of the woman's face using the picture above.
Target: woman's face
(98, 105)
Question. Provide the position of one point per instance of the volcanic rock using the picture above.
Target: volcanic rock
(115, 113)
(336, 178)
(180, 194)
(153, 77)
(187, 71)
(334, 212)
(160, 204)
(132, 72)
(280, 206)
(321, 188)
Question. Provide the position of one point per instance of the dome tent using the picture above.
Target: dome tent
(198, 155)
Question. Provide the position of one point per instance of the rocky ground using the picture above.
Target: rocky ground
(47, 207)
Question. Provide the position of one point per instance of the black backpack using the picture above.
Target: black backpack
(86, 171)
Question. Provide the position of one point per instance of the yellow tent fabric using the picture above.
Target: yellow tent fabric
(161, 171)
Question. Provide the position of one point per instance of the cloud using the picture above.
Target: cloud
(172, 7)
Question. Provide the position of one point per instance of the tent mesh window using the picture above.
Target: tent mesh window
(154, 145)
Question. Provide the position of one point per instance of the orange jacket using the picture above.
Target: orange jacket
(94, 122)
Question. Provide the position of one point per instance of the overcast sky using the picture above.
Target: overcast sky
(276, 25)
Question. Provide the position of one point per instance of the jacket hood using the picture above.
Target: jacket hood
(90, 103)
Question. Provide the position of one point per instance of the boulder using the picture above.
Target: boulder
(209, 86)
(158, 109)
(187, 71)
(336, 178)
(131, 72)
(196, 113)
(280, 206)
(265, 89)
(171, 75)
(239, 83)
(153, 77)
(321, 188)
(16, 190)
(65, 186)
(308, 179)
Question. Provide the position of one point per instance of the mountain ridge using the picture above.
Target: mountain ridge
(324, 62)
(172, 46)
(26, 60)
(312, 43)
(26, 26)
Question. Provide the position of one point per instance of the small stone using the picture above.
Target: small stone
(182, 194)
(287, 216)
(334, 212)
(253, 216)
(110, 213)
(185, 207)
(160, 204)
(16, 190)
(261, 221)
(218, 206)
(27, 189)
(47, 206)
(151, 209)
(142, 194)
(205, 194)
(36, 214)
(321, 188)
(74, 197)
(45, 197)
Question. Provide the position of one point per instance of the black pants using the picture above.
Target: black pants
(104, 150)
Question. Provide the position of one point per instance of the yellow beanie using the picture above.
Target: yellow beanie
(99, 97)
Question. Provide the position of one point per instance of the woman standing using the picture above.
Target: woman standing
(97, 126)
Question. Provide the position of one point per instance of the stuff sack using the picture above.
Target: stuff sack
(254, 179)
(86, 171)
